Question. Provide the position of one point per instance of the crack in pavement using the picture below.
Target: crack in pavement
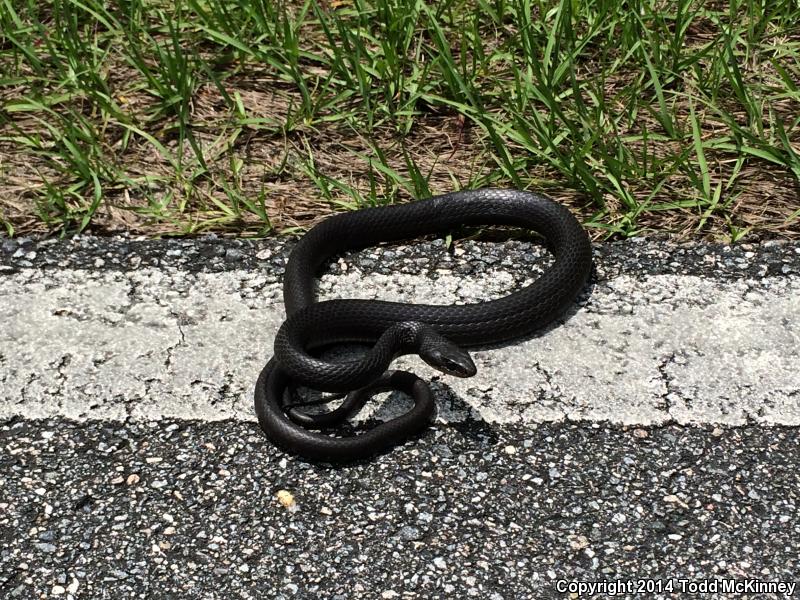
(179, 317)
(666, 379)
(552, 393)
(64, 362)
(24, 399)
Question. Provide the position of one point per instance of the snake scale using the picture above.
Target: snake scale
(437, 333)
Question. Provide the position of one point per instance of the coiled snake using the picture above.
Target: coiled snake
(435, 332)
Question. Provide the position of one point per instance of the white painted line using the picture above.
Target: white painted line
(148, 344)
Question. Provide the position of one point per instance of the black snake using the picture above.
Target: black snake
(435, 332)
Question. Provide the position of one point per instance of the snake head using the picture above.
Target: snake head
(448, 358)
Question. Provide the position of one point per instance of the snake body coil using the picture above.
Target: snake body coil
(435, 332)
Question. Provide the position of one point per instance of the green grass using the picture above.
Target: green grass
(252, 116)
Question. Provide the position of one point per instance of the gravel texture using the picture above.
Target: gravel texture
(197, 510)
(638, 256)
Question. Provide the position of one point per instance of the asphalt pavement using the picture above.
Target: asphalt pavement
(647, 445)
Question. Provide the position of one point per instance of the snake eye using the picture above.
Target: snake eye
(460, 366)
(451, 360)
(442, 354)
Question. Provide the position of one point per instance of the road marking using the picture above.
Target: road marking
(148, 343)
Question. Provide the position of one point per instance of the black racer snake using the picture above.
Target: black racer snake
(437, 333)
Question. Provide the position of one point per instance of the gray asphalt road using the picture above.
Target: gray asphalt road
(200, 510)
(649, 441)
